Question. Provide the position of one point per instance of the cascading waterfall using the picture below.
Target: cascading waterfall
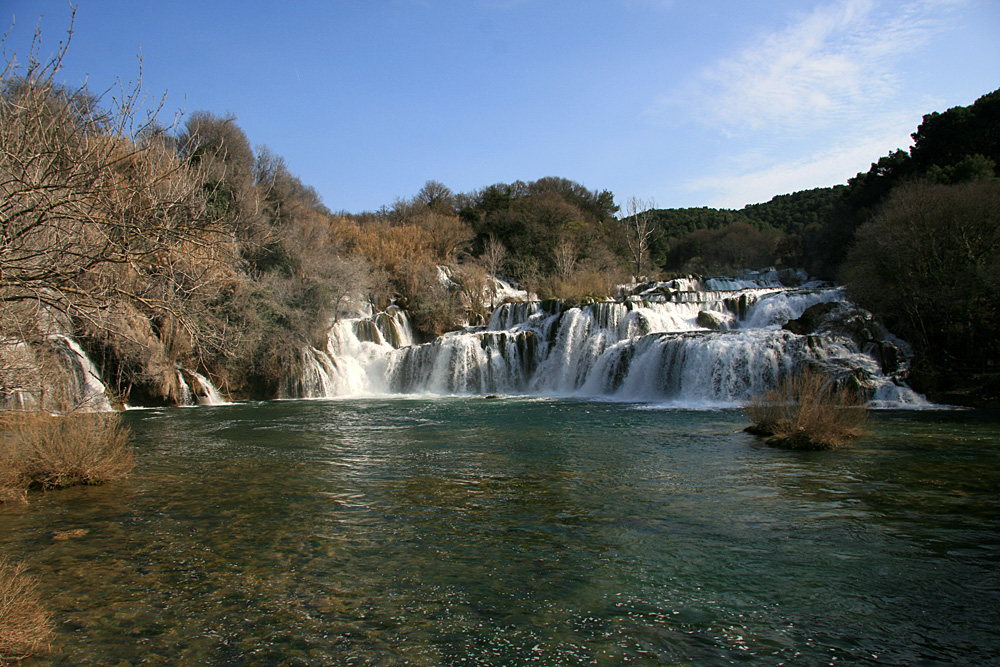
(88, 391)
(713, 341)
(684, 342)
(354, 359)
(196, 389)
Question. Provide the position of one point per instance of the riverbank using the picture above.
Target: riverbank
(960, 387)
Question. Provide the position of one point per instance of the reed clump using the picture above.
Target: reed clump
(47, 451)
(807, 411)
(24, 626)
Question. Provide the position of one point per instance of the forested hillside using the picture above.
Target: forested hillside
(814, 229)
(185, 247)
(916, 239)
(708, 240)
(779, 232)
(924, 250)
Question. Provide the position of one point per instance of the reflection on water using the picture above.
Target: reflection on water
(520, 531)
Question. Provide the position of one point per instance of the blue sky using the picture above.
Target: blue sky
(685, 102)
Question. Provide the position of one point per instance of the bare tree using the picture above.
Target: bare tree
(493, 260)
(494, 256)
(476, 285)
(437, 197)
(450, 235)
(565, 256)
(96, 212)
(639, 227)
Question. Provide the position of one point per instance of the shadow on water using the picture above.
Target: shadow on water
(521, 531)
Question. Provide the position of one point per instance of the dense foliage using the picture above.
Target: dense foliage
(814, 229)
(188, 248)
(782, 232)
(928, 263)
(556, 233)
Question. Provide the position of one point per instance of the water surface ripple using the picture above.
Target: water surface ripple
(520, 531)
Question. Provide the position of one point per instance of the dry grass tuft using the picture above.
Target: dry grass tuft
(806, 411)
(13, 483)
(39, 449)
(578, 287)
(24, 625)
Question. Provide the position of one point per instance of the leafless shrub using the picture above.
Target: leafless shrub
(806, 411)
(478, 290)
(494, 257)
(56, 451)
(97, 211)
(565, 259)
(24, 625)
(580, 286)
(638, 228)
(13, 483)
(396, 249)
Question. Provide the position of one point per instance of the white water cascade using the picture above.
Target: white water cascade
(196, 389)
(686, 342)
(68, 381)
(353, 361)
(90, 393)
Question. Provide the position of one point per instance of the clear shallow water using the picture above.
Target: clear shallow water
(466, 531)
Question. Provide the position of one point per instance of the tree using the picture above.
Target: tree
(450, 235)
(493, 260)
(101, 226)
(565, 259)
(970, 168)
(638, 227)
(219, 150)
(437, 197)
(928, 263)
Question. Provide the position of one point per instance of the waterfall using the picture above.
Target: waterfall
(196, 389)
(75, 382)
(714, 341)
(88, 392)
(465, 363)
(354, 360)
(56, 375)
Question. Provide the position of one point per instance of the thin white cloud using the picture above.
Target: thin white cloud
(743, 183)
(815, 102)
(838, 61)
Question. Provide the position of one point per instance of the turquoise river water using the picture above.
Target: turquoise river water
(518, 531)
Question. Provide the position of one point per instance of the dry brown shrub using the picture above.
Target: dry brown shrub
(580, 286)
(448, 234)
(56, 451)
(806, 411)
(24, 625)
(392, 248)
(13, 484)
(478, 290)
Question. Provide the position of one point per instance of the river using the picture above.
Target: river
(517, 531)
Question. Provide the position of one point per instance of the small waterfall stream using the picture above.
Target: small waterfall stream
(88, 390)
(684, 342)
(56, 376)
(196, 389)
